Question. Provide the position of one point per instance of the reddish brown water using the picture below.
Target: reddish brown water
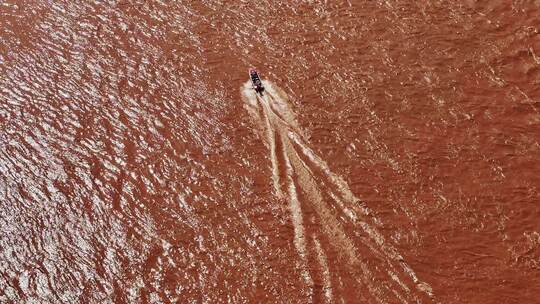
(393, 159)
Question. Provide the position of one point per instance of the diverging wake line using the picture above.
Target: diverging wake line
(328, 219)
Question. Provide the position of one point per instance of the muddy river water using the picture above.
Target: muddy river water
(393, 158)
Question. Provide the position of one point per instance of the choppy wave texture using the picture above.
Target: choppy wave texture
(130, 171)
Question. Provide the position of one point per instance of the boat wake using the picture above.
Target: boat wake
(340, 250)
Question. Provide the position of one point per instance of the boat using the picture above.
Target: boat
(256, 81)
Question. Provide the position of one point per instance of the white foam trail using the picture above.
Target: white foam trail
(337, 180)
(254, 107)
(352, 199)
(272, 141)
(327, 281)
(277, 121)
(295, 209)
(296, 214)
(331, 226)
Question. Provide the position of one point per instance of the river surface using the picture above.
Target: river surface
(393, 158)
